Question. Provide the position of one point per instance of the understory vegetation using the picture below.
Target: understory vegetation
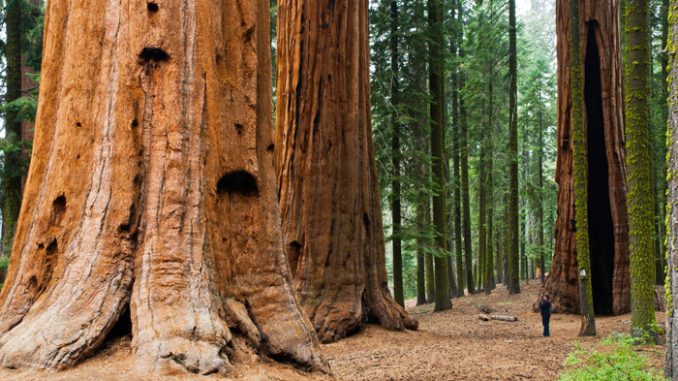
(619, 359)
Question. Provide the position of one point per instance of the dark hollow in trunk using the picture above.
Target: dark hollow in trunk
(601, 231)
(608, 217)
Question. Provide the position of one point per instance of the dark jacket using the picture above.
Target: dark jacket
(545, 307)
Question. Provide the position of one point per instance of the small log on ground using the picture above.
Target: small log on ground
(484, 317)
(504, 318)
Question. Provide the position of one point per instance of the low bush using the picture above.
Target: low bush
(618, 360)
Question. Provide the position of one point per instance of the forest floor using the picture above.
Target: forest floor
(449, 346)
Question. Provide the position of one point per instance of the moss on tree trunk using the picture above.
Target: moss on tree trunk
(597, 26)
(639, 165)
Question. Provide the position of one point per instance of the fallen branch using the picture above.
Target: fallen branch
(507, 318)
(504, 318)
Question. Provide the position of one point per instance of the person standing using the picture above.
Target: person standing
(545, 310)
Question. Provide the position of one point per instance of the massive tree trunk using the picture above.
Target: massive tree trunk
(327, 182)
(152, 186)
(604, 137)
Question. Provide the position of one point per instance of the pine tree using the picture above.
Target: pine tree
(12, 165)
(395, 154)
(456, 173)
(513, 281)
(437, 109)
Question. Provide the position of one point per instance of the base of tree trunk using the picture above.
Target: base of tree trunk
(151, 189)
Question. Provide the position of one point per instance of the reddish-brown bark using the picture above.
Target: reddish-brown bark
(328, 191)
(152, 185)
(599, 18)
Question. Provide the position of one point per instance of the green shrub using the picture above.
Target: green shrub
(617, 362)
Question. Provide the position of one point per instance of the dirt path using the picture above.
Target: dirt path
(456, 345)
(450, 346)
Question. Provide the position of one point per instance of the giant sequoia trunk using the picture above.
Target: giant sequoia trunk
(607, 212)
(152, 186)
(328, 191)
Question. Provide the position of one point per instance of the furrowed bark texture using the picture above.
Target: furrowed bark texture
(641, 203)
(436, 81)
(12, 161)
(598, 25)
(28, 85)
(327, 184)
(513, 230)
(152, 185)
(395, 153)
(671, 364)
(581, 179)
(456, 173)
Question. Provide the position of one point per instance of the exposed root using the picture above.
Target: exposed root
(178, 355)
(337, 321)
(287, 335)
(390, 314)
(333, 322)
(57, 338)
(237, 316)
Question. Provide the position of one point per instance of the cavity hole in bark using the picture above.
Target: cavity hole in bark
(123, 327)
(153, 54)
(58, 207)
(238, 183)
(239, 128)
(51, 247)
(127, 226)
(78, 124)
(135, 123)
(270, 147)
(247, 37)
(293, 254)
(152, 7)
(601, 230)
